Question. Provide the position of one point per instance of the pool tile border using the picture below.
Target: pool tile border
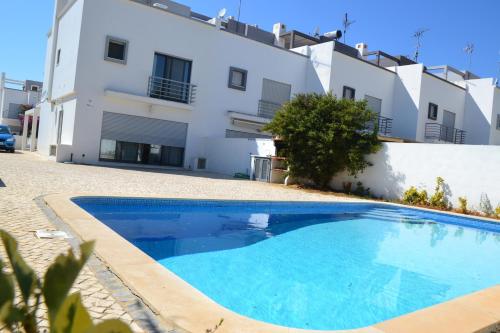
(185, 309)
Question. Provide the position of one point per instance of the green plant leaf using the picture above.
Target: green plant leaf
(72, 316)
(7, 291)
(111, 326)
(25, 276)
(9, 315)
(60, 277)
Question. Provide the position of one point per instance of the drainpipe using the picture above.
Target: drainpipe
(55, 33)
(2, 93)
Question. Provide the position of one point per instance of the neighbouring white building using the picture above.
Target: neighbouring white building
(152, 82)
(15, 97)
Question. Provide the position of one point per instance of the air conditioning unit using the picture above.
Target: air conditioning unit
(199, 164)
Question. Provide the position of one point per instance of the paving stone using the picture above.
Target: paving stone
(28, 176)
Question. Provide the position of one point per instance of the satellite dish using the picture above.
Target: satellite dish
(316, 32)
(222, 13)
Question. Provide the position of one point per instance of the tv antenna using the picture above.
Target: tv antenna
(469, 50)
(498, 76)
(347, 24)
(239, 11)
(418, 35)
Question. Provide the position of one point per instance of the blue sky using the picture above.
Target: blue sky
(384, 24)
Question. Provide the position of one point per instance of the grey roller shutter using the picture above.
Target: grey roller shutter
(374, 104)
(276, 92)
(122, 127)
(230, 134)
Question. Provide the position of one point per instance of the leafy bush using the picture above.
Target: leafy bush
(415, 197)
(463, 205)
(66, 314)
(361, 190)
(324, 135)
(439, 198)
(497, 211)
(485, 205)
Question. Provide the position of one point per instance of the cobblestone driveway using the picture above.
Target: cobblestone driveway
(26, 176)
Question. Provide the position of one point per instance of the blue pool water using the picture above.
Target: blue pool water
(311, 265)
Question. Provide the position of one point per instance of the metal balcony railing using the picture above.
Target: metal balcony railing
(176, 91)
(268, 109)
(434, 131)
(384, 125)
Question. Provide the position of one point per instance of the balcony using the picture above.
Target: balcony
(434, 131)
(268, 109)
(170, 90)
(384, 125)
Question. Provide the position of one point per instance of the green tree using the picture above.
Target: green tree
(324, 135)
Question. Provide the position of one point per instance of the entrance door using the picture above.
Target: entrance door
(448, 132)
(262, 169)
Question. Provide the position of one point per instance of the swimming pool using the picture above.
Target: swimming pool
(310, 265)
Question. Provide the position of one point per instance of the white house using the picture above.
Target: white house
(158, 84)
(14, 95)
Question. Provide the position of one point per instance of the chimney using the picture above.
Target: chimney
(278, 30)
(362, 49)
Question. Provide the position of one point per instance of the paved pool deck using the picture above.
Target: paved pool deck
(26, 177)
(31, 181)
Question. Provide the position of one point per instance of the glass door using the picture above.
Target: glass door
(171, 78)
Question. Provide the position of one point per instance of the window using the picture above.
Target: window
(498, 121)
(34, 88)
(349, 93)
(433, 111)
(58, 59)
(237, 78)
(171, 79)
(139, 153)
(116, 50)
(108, 150)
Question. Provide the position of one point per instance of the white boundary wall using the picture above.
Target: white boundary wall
(468, 170)
(230, 156)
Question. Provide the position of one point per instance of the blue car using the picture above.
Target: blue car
(7, 139)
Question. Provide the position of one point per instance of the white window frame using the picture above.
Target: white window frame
(116, 40)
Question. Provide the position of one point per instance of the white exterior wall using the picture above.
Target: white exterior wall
(367, 79)
(495, 132)
(482, 108)
(230, 156)
(83, 76)
(47, 127)
(447, 96)
(68, 43)
(330, 71)
(212, 53)
(398, 166)
(319, 66)
(406, 101)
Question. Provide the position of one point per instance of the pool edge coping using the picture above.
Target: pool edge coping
(182, 306)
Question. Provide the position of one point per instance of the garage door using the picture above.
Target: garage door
(126, 128)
